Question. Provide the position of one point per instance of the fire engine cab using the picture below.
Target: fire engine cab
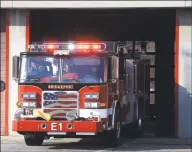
(78, 89)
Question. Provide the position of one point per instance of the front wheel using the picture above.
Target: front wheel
(114, 137)
(34, 139)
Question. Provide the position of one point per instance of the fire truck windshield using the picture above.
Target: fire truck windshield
(74, 69)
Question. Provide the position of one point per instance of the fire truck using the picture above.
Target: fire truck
(80, 89)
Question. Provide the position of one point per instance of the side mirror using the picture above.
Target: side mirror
(15, 70)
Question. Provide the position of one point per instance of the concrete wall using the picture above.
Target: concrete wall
(94, 4)
(17, 40)
(185, 73)
(3, 66)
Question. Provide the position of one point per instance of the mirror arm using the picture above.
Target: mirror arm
(15, 70)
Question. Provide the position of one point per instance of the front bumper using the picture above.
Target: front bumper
(56, 126)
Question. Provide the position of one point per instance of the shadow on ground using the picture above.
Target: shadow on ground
(127, 145)
(82, 144)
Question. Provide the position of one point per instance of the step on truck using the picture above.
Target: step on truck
(80, 89)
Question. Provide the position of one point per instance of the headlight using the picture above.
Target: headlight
(32, 95)
(29, 95)
(91, 96)
(88, 96)
(25, 96)
(91, 105)
(70, 116)
(29, 104)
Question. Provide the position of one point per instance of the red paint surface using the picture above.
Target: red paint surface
(32, 125)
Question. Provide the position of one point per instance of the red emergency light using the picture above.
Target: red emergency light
(70, 47)
(88, 47)
(50, 46)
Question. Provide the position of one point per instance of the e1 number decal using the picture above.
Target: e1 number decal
(56, 126)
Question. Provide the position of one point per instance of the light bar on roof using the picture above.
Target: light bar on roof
(74, 47)
(81, 46)
(50, 46)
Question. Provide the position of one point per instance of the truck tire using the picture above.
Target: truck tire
(135, 129)
(34, 139)
(114, 137)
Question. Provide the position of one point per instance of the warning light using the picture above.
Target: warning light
(79, 46)
(50, 47)
(96, 46)
(67, 48)
(87, 47)
(71, 46)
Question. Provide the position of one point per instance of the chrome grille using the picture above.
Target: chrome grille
(58, 103)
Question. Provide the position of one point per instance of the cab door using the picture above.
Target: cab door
(131, 87)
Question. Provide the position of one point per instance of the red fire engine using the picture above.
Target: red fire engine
(78, 89)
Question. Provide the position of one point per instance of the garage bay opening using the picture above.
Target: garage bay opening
(151, 30)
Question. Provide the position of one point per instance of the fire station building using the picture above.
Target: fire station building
(168, 24)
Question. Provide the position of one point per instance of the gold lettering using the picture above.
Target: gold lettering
(60, 86)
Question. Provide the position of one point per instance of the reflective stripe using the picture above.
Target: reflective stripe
(65, 133)
(56, 133)
(85, 133)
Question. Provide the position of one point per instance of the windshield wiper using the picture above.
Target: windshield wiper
(76, 80)
(71, 79)
(33, 78)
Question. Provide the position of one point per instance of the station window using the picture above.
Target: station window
(152, 59)
(152, 86)
(152, 98)
(152, 72)
(150, 47)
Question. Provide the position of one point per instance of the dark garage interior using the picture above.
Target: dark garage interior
(120, 25)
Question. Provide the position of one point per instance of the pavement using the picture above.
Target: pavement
(16, 143)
